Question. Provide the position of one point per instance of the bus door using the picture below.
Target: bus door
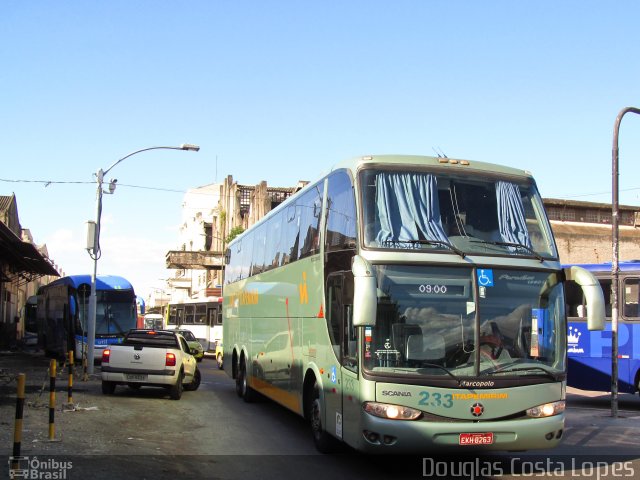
(342, 407)
(629, 333)
(179, 316)
(212, 318)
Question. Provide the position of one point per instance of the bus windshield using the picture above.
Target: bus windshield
(409, 209)
(431, 322)
(115, 312)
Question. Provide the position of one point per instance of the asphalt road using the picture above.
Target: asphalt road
(211, 433)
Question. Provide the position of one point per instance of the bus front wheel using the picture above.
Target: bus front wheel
(324, 442)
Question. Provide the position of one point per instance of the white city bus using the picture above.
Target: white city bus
(203, 317)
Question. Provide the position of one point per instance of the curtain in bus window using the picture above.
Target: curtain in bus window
(511, 220)
(408, 208)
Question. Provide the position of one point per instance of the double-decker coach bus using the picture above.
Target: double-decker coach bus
(63, 313)
(203, 317)
(590, 352)
(406, 303)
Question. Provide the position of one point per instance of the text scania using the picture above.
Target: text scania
(395, 393)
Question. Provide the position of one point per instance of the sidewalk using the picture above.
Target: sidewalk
(35, 430)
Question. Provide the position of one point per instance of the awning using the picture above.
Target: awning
(21, 257)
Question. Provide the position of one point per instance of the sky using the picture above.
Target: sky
(282, 90)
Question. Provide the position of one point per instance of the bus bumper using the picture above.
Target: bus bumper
(379, 435)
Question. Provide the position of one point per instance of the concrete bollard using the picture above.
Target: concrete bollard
(17, 431)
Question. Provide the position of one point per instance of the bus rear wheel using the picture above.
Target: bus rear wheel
(324, 442)
(243, 389)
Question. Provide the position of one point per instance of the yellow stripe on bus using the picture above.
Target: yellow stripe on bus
(288, 399)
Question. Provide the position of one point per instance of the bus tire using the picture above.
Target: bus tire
(324, 442)
(243, 389)
(108, 388)
(195, 383)
(176, 390)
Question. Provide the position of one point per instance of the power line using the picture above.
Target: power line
(593, 194)
(45, 182)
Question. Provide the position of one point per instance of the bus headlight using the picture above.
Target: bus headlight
(392, 412)
(546, 410)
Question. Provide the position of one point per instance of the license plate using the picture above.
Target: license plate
(476, 438)
(136, 376)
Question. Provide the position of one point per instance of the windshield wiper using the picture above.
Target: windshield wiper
(513, 244)
(437, 242)
(509, 368)
(435, 365)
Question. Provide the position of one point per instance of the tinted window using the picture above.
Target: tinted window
(341, 215)
(201, 314)
(310, 207)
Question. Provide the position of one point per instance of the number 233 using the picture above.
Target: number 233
(435, 399)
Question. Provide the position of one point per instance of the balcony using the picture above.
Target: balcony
(202, 260)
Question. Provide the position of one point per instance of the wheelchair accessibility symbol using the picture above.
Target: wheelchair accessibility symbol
(485, 278)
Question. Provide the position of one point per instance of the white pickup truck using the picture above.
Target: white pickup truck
(157, 358)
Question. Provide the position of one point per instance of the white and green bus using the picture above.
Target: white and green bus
(407, 304)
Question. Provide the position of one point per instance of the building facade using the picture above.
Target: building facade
(23, 269)
(583, 230)
(210, 215)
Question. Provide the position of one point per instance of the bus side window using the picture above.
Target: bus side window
(606, 290)
(631, 297)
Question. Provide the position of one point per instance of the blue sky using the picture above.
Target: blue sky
(281, 90)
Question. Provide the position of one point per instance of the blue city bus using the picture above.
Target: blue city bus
(63, 312)
(589, 352)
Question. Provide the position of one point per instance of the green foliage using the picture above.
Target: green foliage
(235, 231)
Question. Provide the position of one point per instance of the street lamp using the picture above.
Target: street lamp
(615, 222)
(93, 243)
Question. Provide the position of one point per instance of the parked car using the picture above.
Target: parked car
(193, 342)
(157, 358)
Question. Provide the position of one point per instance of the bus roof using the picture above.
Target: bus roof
(624, 266)
(422, 160)
(103, 282)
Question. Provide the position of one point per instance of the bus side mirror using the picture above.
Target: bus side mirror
(365, 300)
(592, 293)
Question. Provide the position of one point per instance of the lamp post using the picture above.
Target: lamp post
(93, 240)
(615, 222)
